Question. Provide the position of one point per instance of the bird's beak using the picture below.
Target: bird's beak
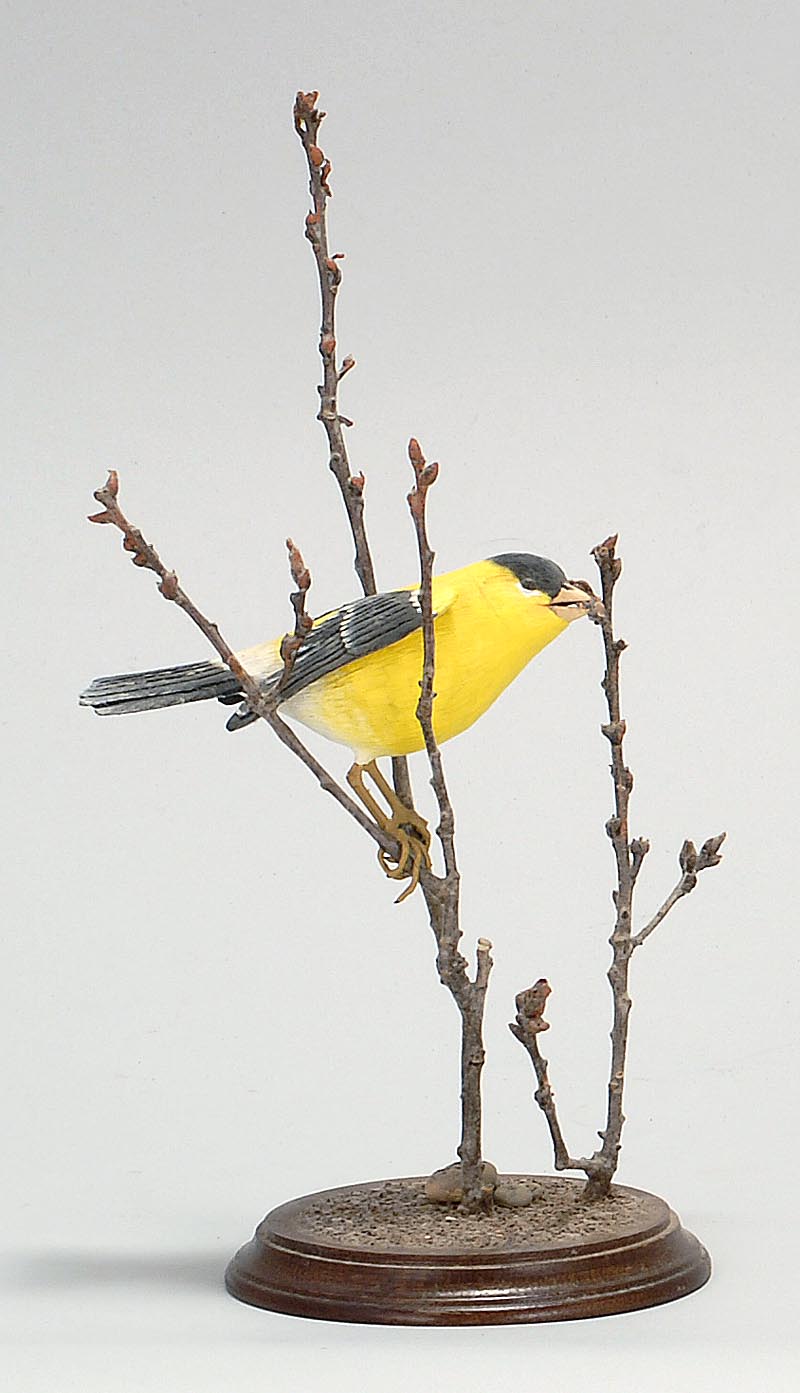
(575, 599)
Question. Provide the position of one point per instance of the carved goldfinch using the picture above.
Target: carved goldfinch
(356, 675)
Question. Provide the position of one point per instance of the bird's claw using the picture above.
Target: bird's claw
(413, 857)
(404, 825)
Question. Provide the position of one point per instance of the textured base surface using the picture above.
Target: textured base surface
(381, 1254)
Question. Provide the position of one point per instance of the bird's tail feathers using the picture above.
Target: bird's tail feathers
(169, 686)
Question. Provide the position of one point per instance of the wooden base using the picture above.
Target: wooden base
(307, 1260)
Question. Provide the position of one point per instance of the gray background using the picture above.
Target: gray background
(571, 237)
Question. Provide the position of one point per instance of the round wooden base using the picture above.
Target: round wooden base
(306, 1261)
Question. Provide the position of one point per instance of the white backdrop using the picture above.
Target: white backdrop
(571, 237)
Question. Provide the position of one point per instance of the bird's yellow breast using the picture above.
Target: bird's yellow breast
(487, 628)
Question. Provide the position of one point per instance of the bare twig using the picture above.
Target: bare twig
(303, 623)
(259, 701)
(691, 864)
(307, 120)
(442, 894)
(527, 1028)
(425, 475)
(629, 856)
(610, 568)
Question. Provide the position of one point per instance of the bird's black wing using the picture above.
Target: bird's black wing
(364, 626)
(357, 629)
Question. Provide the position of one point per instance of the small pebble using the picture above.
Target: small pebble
(510, 1194)
(444, 1186)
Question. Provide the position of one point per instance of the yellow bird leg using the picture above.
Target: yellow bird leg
(404, 824)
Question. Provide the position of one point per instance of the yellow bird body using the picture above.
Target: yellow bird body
(356, 676)
(487, 629)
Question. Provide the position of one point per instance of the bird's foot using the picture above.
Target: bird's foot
(403, 824)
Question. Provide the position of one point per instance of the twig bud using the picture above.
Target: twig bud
(304, 105)
(530, 1006)
(300, 572)
(709, 852)
(687, 857)
(416, 456)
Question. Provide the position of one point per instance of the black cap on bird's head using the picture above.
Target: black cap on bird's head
(533, 572)
(569, 599)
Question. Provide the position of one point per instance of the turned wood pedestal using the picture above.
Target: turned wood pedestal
(380, 1253)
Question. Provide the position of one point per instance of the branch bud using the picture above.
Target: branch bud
(304, 105)
(709, 852)
(300, 572)
(530, 1006)
(416, 456)
(687, 857)
(107, 496)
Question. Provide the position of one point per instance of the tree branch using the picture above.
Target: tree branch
(629, 856)
(303, 623)
(426, 475)
(527, 1028)
(691, 864)
(442, 894)
(307, 120)
(260, 701)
